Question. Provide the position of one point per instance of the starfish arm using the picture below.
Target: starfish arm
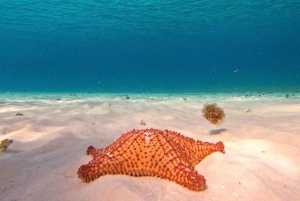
(195, 149)
(219, 146)
(204, 149)
(88, 172)
(100, 166)
(93, 151)
(210, 147)
(188, 178)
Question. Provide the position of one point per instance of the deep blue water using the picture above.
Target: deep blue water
(149, 46)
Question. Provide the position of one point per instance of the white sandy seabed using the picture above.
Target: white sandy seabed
(262, 159)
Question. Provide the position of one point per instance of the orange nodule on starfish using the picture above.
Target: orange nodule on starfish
(151, 152)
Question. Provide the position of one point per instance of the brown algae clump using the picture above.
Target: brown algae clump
(4, 144)
(213, 113)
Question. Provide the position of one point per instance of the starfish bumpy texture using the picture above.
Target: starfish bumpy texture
(151, 152)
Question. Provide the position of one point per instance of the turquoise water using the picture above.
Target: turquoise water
(149, 46)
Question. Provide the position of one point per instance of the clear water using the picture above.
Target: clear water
(149, 46)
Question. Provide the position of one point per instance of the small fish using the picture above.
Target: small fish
(235, 71)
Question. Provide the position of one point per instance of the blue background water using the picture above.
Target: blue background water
(149, 45)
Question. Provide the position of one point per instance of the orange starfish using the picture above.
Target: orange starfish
(151, 152)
